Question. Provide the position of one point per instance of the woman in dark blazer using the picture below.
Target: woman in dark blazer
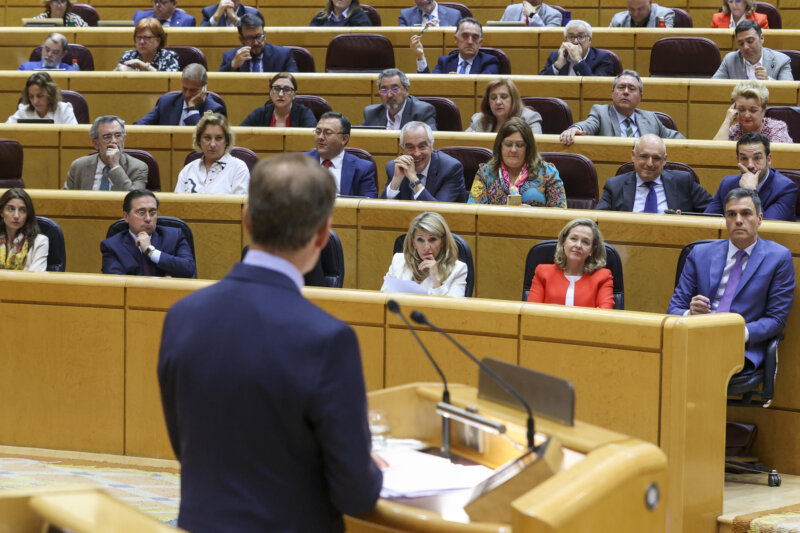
(280, 110)
(341, 13)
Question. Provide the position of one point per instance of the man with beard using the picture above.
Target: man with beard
(397, 107)
(255, 54)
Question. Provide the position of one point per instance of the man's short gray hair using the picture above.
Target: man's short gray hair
(414, 124)
(577, 22)
(391, 73)
(628, 72)
(105, 119)
(194, 72)
(58, 38)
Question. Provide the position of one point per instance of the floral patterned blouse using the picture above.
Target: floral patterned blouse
(773, 129)
(70, 19)
(164, 60)
(545, 190)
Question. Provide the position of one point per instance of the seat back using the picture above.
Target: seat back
(89, 14)
(317, 104)
(448, 117)
(331, 259)
(543, 253)
(565, 17)
(669, 165)
(471, 158)
(79, 105)
(666, 120)
(794, 56)
(464, 10)
(464, 255)
(188, 55)
(616, 61)
(11, 156)
(682, 18)
(793, 175)
(153, 174)
(684, 57)
(772, 13)
(579, 177)
(359, 52)
(372, 13)
(163, 220)
(74, 51)
(556, 114)
(57, 252)
(790, 115)
(505, 63)
(303, 58)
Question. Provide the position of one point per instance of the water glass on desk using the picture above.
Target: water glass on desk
(379, 428)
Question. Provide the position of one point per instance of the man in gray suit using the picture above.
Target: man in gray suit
(753, 61)
(398, 108)
(110, 169)
(622, 118)
(643, 14)
(649, 188)
(532, 13)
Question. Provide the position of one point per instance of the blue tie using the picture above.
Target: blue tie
(105, 185)
(651, 202)
(462, 67)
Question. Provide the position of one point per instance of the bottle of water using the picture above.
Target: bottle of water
(75, 65)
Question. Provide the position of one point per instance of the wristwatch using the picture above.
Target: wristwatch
(149, 250)
(415, 184)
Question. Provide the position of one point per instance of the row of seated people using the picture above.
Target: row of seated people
(368, 52)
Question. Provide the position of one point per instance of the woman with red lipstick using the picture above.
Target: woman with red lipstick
(22, 247)
(501, 101)
(746, 114)
(280, 110)
(430, 258)
(577, 276)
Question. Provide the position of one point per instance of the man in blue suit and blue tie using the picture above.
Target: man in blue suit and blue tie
(467, 59)
(745, 274)
(255, 54)
(576, 56)
(167, 13)
(353, 176)
(430, 13)
(186, 107)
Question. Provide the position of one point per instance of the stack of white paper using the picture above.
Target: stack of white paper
(414, 474)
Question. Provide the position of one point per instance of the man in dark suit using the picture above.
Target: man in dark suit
(746, 275)
(228, 13)
(167, 13)
(184, 108)
(650, 188)
(576, 56)
(467, 59)
(422, 173)
(147, 249)
(255, 54)
(397, 107)
(778, 194)
(428, 12)
(353, 176)
(263, 392)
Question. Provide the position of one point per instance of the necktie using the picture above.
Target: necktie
(105, 185)
(733, 282)
(629, 129)
(327, 163)
(420, 176)
(651, 202)
(462, 67)
(429, 16)
(256, 65)
(146, 270)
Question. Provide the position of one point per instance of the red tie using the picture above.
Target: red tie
(327, 163)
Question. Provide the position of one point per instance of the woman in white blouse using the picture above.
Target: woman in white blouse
(217, 171)
(430, 258)
(41, 98)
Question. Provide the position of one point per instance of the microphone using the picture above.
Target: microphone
(419, 318)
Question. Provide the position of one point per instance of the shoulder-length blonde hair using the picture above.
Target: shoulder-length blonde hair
(43, 80)
(435, 224)
(489, 121)
(213, 119)
(596, 259)
(749, 7)
(533, 160)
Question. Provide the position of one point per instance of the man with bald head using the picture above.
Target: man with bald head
(650, 188)
(54, 49)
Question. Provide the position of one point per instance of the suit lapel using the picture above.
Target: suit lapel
(612, 118)
(432, 180)
(670, 192)
(753, 262)
(406, 112)
(716, 266)
(88, 177)
(346, 176)
(175, 110)
(629, 192)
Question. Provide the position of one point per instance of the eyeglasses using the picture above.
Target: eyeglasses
(141, 212)
(255, 39)
(144, 38)
(326, 133)
(161, 2)
(281, 90)
(393, 90)
(582, 38)
(117, 135)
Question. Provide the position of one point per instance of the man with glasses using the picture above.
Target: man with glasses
(533, 13)
(146, 249)
(576, 56)
(54, 49)
(228, 13)
(428, 13)
(353, 176)
(168, 14)
(255, 54)
(184, 108)
(109, 169)
(754, 61)
(467, 59)
(643, 14)
(397, 107)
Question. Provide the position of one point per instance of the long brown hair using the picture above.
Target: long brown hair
(489, 121)
(31, 227)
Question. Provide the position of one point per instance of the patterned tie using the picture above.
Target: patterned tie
(327, 163)
(105, 185)
(733, 282)
(629, 129)
(462, 67)
(651, 202)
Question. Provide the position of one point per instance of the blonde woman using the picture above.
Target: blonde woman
(746, 114)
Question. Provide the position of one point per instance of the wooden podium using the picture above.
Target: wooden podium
(606, 481)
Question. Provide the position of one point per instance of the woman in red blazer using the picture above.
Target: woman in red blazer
(737, 9)
(577, 277)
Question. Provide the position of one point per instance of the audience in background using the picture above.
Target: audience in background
(281, 109)
(735, 11)
(397, 107)
(467, 59)
(186, 107)
(643, 14)
(41, 99)
(228, 13)
(22, 245)
(753, 61)
(167, 13)
(150, 54)
(341, 13)
(532, 13)
(62, 9)
(576, 56)
(501, 101)
(746, 114)
(255, 54)
(429, 13)
(54, 49)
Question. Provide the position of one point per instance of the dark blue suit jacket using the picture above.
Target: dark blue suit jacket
(169, 107)
(33, 65)
(122, 256)
(444, 183)
(179, 17)
(596, 63)
(265, 405)
(411, 16)
(483, 64)
(359, 177)
(274, 59)
(209, 11)
(764, 295)
(680, 189)
(778, 196)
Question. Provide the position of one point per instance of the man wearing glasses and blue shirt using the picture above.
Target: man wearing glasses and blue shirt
(576, 56)
(397, 107)
(255, 54)
(109, 169)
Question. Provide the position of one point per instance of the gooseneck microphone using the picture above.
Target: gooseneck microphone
(419, 318)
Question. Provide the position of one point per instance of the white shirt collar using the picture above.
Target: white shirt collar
(336, 161)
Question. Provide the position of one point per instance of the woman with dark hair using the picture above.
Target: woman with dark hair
(501, 101)
(577, 276)
(61, 9)
(517, 169)
(22, 247)
(735, 11)
(280, 110)
(150, 54)
(341, 13)
(41, 98)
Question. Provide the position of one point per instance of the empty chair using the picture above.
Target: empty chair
(794, 56)
(170, 222)
(470, 157)
(79, 105)
(153, 173)
(790, 115)
(245, 154)
(11, 164)
(464, 10)
(669, 165)
(188, 55)
(89, 14)
(684, 57)
(793, 175)
(666, 120)
(74, 51)
(372, 13)
(556, 114)
(682, 18)
(303, 59)
(772, 13)
(448, 117)
(505, 63)
(317, 104)
(57, 250)
(329, 270)
(359, 52)
(616, 61)
(464, 255)
(579, 177)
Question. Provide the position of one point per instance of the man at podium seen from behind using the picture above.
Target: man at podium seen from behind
(263, 392)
